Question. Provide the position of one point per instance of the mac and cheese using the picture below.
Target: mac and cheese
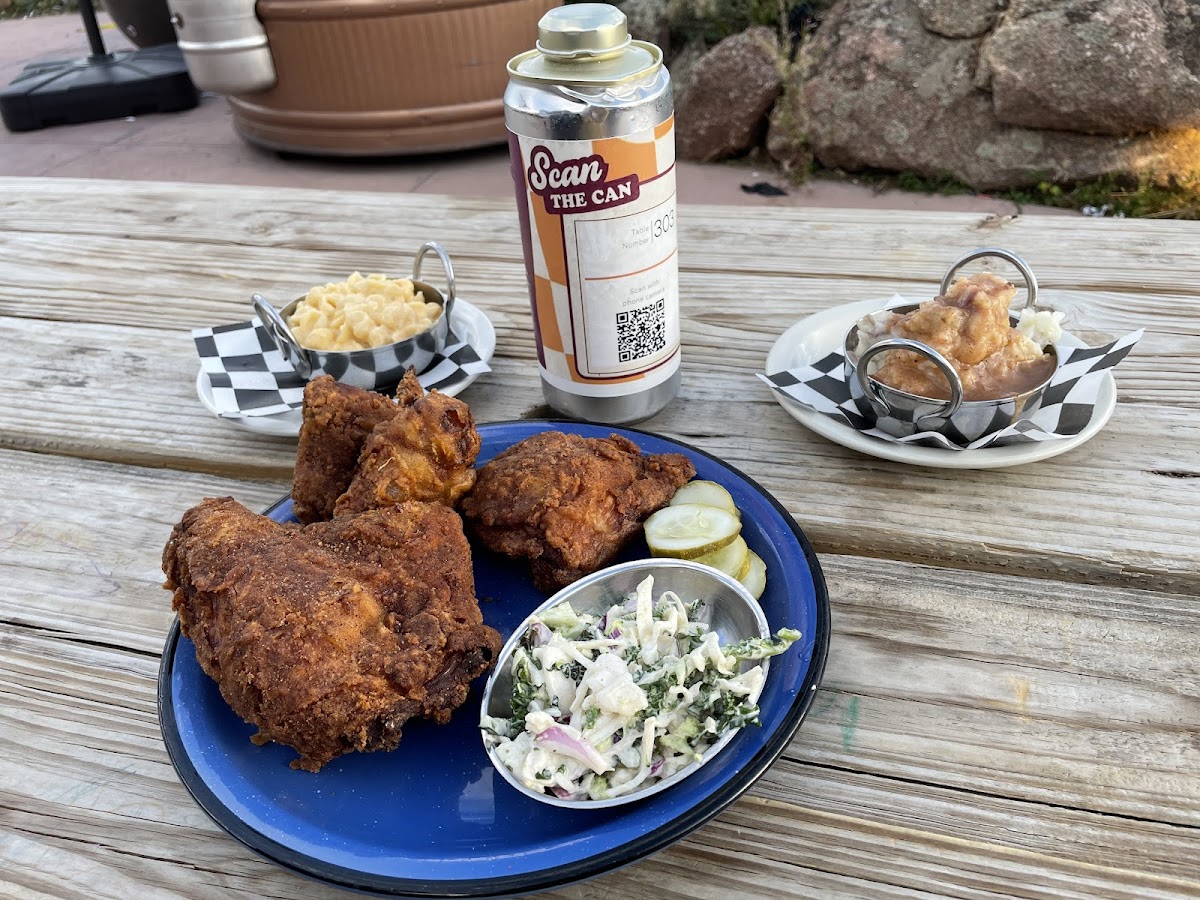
(361, 312)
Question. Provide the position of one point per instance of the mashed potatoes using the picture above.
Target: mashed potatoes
(1043, 327)
(361, 312)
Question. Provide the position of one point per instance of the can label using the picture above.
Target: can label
(600, 248)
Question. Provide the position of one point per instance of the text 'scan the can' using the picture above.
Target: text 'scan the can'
(592, 142)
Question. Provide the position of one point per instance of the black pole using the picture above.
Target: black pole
(92, 27)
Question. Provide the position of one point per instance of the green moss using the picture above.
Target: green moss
(712, 20)
(1146, 196)
(945, 184)
(26, 9)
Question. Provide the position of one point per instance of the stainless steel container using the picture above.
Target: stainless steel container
(730, 611)
(592, 143)
(224, 44)
(375, 367)
(901, 414)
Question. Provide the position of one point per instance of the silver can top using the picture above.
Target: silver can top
(594, 30)
(585, 43)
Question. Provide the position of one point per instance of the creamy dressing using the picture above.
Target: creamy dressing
(605, 706)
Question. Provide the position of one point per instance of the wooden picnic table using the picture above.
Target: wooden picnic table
(1011, 705)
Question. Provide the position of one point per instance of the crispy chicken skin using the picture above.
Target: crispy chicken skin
(337, 420)
(568, 503)
(330, 637)
(426, 452)
(377, 451)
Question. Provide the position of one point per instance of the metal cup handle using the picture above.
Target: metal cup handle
(279, 332)
(433, 246)
(1031, 286)
(870, 389)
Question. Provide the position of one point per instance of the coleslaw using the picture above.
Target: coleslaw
(603, 706)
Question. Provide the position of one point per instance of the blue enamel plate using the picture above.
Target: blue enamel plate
(433, 818)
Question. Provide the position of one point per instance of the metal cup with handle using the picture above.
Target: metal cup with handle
(1031, 285)
(373, 367)
(923, 413)
(900, 413)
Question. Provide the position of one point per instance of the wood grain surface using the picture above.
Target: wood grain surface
(1011, 706)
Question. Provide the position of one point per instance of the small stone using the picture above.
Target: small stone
(959, 18)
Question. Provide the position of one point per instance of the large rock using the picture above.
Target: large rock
(681, 65)
(879, 90)
(723, 103)
(647, 20)
(1112, 67)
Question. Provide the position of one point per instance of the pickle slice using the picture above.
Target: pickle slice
(755, 580)
(733, 559)
(690, 530)
(707, 492)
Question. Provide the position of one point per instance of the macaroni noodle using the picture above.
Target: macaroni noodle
(360, 313)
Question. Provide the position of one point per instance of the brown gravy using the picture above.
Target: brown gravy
(970, 326)
(915, 375)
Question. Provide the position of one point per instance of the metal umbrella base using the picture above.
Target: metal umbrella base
(101, 86)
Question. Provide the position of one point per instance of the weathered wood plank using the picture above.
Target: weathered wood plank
(1127, 255)
(1014, 667)
(174, 286)
(84, 566)
(1026, 827)
(1032, 689)
(1116, 510)
(168, 282)
(131, 828)
(78, 403)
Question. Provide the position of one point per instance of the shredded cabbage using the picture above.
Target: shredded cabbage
(605, 705)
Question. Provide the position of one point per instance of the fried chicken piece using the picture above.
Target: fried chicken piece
(378, 451)
(337, 420)
(569, 503)
(969, 325)
(426, 452)
(330, 637)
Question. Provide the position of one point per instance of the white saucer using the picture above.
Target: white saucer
(819, 335)
(470, 323)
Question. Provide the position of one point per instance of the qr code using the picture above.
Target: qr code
(641, 332)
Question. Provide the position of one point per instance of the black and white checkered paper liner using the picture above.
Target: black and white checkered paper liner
(250, 377)
(1064, 410)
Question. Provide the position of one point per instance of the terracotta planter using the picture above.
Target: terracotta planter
(372, 77)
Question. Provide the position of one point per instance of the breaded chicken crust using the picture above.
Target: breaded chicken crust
(330, 637)
(360, 450)
(426, 452)
(337, 419)
(567, 503)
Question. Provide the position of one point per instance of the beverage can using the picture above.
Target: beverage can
(592, 145)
